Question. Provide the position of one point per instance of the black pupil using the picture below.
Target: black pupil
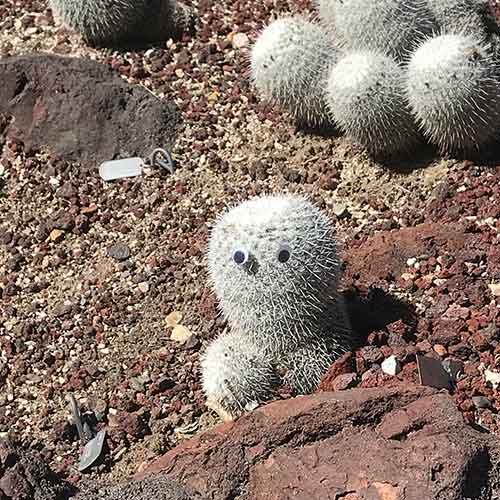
(239, 257)
(283, 255)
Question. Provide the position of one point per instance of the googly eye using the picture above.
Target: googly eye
(284, 253)
(240, 256)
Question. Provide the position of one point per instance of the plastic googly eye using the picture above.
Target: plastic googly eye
(284, 253)
(240, 256)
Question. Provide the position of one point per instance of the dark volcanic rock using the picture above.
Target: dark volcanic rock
(157, 488)
(396, 443)
(81, 109)
(24, 476)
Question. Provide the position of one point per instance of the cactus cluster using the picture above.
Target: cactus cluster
(388, 73)
(115, 22)
(274, 268)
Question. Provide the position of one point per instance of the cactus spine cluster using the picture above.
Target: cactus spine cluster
(274, 267)
(453, 87)
(391, 67)
(366, 97)
(114, 22)
(288, 66)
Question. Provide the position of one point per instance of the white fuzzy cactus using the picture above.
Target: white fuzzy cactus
(274, 267)
(453, 87)
(388, 26)
(289, 62)
(115, 22)
(366, 97)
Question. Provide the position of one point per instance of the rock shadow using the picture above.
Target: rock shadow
(372, 310)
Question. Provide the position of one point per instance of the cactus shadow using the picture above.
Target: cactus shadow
(406, 163)
(487, 156)
(372, 310)
(322, 131)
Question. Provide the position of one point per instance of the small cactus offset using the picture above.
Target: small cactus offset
(366, 97)
(237, 375)
(388, 26)
(453, 86)
(288, 63)
(114, 22)
(274, 267)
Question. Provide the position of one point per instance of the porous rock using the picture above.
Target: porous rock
(81, 110)
(158, 488)
(391, 443)
(25, 476)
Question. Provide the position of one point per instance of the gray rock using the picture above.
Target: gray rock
(157, 488)
(81, 110)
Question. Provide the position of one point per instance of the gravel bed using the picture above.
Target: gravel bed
(95, 278)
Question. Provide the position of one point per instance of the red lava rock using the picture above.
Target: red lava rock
(344, 381)
(384, 255)
(342, 366)
(133, 424)
(446, 331)
(309, 446)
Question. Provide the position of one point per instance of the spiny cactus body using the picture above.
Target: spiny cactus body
(453, 87)
(113, 22)
(274, 267)
(366, 97)
(388, 26)
(289, 61)
(237, 375)
(459, 15)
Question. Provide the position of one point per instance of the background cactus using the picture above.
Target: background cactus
(388, 26)
(289, 61)
(460, 15)
(111, 22)
(453, 87)
(274, 267)
(366, 97)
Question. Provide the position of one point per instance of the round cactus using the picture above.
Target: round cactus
(453, 87)
(388, 26)
(237, 375)
(366, 97)
(111, 22)
(459, 15)
(288, 63)
(274, 267)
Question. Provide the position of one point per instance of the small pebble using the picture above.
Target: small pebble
(119, 251)
(56, 235)
(391, 365)
(180, 334)
(492, 377)
(481, 402)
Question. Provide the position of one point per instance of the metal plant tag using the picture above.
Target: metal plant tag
(92, 451)
(119, 169)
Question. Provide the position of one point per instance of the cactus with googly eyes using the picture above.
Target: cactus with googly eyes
(274, 267)
(453, 87)
(289, 61)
